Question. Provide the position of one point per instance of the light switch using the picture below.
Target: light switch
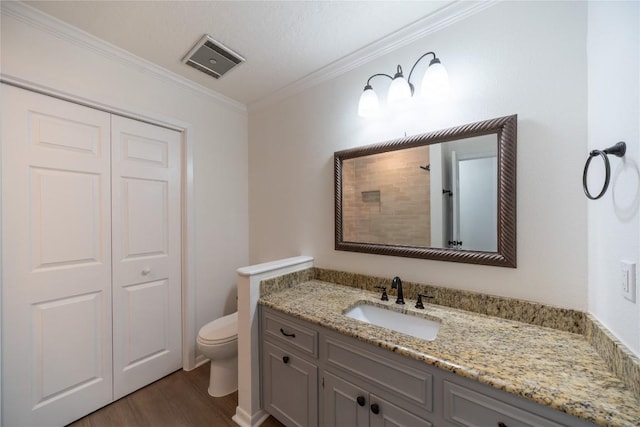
(628, 280)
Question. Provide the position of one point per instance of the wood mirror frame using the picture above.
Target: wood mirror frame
(506, 130)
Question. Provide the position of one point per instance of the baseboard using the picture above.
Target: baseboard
(245, 420)
(200, 360)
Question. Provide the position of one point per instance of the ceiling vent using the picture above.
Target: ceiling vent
(212, 57)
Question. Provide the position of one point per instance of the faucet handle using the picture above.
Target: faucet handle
(384, 296)
(419, 303)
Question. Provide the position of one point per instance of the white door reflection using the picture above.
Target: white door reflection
(474, 202)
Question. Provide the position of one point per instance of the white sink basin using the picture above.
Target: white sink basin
(415, 326)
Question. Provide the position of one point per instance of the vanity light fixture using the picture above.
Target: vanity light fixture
(434, 83)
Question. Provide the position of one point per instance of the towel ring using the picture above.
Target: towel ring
(617, 150)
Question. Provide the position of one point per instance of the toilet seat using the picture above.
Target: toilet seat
(220, 331)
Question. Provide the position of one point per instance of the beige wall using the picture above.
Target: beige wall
(525, 58)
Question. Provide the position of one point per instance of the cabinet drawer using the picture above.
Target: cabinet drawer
(466, 407)
(403, 382)
(290, 333)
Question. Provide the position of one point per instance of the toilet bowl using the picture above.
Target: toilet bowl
(218, 340)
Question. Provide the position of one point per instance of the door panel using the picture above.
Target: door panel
(66, 330)
(290, 389)
(63, 231)
(146, 303)
(56, 273)
(146, 253)
(137, 148)
(65, 134)
(144, 215)
(341, 406)
(478, 203)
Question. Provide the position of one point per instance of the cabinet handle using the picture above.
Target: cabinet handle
(286, 334)
(375, 408)
(360, 400)
(285, 359)
(501, 424)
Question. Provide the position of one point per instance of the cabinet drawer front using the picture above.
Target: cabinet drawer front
(468, 408)
(289, 387)
(411, 385)
(290, 333)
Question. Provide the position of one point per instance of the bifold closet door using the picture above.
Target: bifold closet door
(56, 267)
(146, 253)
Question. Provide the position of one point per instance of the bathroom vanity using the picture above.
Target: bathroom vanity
(321, 368)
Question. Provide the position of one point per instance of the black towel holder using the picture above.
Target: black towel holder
(617, 150)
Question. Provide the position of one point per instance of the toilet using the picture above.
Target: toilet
(218, 340)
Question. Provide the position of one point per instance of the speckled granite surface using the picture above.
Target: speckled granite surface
(286, 281)
(620, 360)
(506, 308)
(549, 366)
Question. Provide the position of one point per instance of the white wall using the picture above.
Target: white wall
(516, 57)
(614, 115)
(220, 144)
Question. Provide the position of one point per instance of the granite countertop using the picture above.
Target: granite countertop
(551, 367)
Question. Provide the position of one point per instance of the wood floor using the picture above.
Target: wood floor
(177, 400)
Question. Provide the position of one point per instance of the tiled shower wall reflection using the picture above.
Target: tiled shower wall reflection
(386, 198)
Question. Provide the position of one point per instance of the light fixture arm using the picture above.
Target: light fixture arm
(435, 58)
(375, 75)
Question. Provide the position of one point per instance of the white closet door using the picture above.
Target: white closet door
(146, 253)
(56, 272)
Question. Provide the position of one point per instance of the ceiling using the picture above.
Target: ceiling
(282, 41)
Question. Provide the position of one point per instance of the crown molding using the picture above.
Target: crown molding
(436, 21)
(61, 30)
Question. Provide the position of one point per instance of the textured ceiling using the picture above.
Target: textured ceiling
(282, 41)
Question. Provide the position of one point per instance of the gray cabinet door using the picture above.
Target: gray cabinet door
(290, 387)
(386, 414)
(345, 405)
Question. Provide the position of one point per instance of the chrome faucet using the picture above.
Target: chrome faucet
(396, 283)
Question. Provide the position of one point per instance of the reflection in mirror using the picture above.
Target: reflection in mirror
(471, 173)
(432, 196)
(439, 195)
(386, 198)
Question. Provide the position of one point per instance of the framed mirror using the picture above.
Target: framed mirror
(447, 195)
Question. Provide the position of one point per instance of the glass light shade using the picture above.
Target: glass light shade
(399, 92)
(435, 82)
(368, 105)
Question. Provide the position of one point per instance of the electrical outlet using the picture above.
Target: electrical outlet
(628, 280)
